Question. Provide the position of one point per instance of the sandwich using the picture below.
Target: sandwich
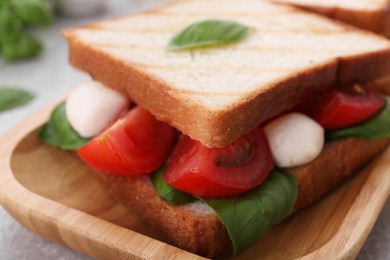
(370, 15)
(222, 118)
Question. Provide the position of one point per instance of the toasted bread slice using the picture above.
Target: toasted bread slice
(196, 228)
(215, 95)
(367, 14)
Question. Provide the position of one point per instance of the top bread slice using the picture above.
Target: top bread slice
(373, 15)
(217, 94)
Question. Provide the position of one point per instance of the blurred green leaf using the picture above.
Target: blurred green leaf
(18, 45)
(33, 12)
(6, 19)
(4, 3)
(13, 97)
(5, 23)
(15, 18)
(8, 22)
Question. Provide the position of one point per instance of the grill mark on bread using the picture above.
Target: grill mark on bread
(256, 49)
(172, 31)
(214, 94)
(200, 15)
(223, 13)
(180, 20)
(212, 68)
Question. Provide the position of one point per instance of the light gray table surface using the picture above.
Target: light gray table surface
(50, 76)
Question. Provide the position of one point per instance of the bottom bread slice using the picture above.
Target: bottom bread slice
(196, 228)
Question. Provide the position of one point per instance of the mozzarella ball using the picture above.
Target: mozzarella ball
(295, 139)
(92, 107)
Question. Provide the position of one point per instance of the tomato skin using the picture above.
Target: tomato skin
(192, 167)
(98, 154)
(136, 144)
(346, 107)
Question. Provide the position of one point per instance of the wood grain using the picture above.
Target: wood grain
(51, 193)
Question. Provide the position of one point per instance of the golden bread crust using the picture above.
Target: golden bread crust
(336, 162)
(377, 21)
(202, 234)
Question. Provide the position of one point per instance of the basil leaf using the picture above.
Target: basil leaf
(58, 131)
(8, 23)
(208, 33)
(7, 19)
(167, 192)
(5, 3)
(18, 45)
(33, 12)
(376, 127)
(13, 97)
(250, 216)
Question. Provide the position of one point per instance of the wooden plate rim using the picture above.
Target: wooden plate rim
(37, 208)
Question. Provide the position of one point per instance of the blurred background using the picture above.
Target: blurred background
(46, 74)
(40, 67)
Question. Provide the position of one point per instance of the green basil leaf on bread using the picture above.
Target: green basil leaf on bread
(208, 33)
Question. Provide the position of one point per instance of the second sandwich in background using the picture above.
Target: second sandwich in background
(366, 14)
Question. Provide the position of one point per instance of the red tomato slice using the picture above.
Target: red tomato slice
(136, 144)
(217, 173)
(346, 107)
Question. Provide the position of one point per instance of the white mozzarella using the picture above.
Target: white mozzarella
(294, 139)
(92, 107)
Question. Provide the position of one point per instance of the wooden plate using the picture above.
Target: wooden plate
(51, 193)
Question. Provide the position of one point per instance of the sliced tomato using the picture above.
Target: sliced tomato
(217, 173)
(344, 107)
(136, 144)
